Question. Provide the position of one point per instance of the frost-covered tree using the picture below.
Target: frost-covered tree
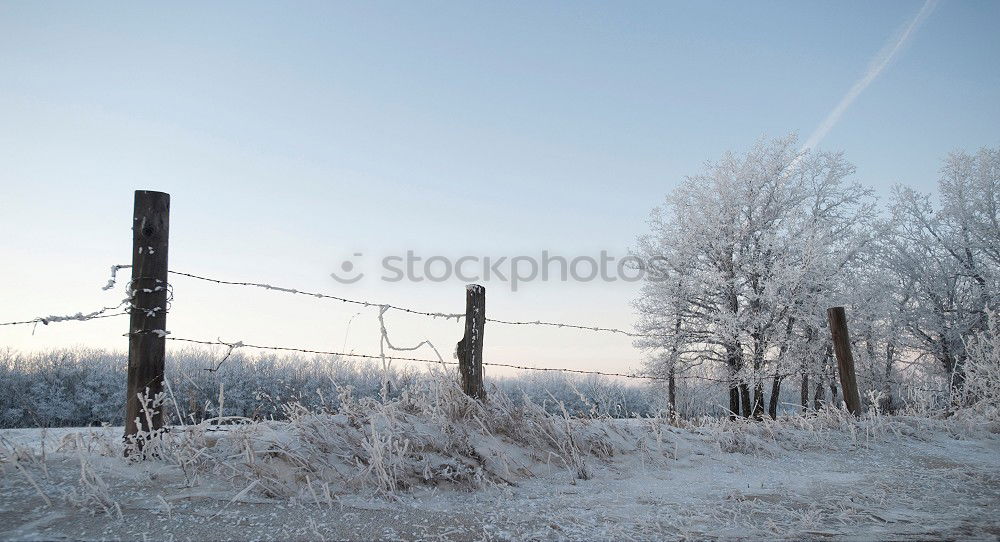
(753, 249)
(945, 257)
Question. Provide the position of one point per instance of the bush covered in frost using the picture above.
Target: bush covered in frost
(81, 387)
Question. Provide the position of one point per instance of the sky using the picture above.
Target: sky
(292, 136)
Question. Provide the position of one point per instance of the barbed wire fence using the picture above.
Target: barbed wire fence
(149, 295)
(125, 307)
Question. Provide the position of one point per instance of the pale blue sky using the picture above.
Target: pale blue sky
(293, 135)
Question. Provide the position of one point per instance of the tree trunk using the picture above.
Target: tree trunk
(828, 369)
(772, 407)
(757, 410)
(672, 382)
(818, 397)
(804, 392)
(734, 399)
(886, 404)
(957, 381)
(734, 359)
(745, 399)
(758, 400)
(672, 394)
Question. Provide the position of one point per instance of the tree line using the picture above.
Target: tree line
(760, 243)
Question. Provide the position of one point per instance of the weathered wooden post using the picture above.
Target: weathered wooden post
(148, 321)
(845, 360)
(470, 348)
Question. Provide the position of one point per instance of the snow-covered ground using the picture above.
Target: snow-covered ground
(798, 478)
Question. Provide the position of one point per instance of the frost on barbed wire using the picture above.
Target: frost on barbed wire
(125, 305)
(313, 294)
(385, 342)
(385, 337)
(78, 316)
(444, 315)
(114, 276)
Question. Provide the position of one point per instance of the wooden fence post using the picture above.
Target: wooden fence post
(470, 348)
(148, 314)
(845, 360)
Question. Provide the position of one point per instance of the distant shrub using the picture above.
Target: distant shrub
(81, 387)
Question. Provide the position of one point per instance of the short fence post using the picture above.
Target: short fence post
(148, 321)
(845, 360)
(470, 348)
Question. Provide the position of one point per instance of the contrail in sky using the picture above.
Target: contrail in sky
(878, 64)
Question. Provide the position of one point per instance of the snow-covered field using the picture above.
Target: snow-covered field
(421, 469)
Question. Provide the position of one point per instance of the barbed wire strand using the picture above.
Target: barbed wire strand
(565, 325)
(78, 317)
(384, 339)
(385, 342)
(102, 312)
(241, 344)
(406, 309)
(316, 295)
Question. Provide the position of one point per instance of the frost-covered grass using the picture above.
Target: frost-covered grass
(431, 463)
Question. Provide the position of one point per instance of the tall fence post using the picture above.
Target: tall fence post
(148, 313)
(845, 360)
(470, 348)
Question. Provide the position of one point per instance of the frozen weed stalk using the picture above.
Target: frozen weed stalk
(450, 440)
